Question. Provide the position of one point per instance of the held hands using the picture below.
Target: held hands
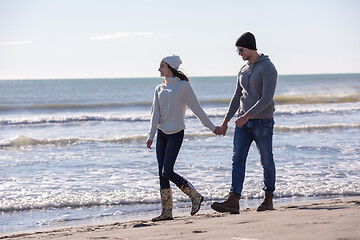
(218, 130)
(221, 130)
(240, 121)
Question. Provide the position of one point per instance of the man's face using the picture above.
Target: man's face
(243, 52)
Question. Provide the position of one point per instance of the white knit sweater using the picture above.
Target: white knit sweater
(169, 107)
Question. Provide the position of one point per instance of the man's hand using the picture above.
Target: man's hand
(224, 127)
(240, 121)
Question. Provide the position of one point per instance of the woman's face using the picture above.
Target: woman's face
(165, 70)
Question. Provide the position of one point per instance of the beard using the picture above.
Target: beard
(245, 58)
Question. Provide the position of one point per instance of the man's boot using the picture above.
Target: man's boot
(166, 204)
(231, 205)
(195, 197)
(267, 203)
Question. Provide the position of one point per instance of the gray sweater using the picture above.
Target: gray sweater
(255, 89)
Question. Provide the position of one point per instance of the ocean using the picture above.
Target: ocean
(73, 151)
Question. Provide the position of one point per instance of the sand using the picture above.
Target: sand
(328, 219)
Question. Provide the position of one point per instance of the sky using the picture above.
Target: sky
(56, 39)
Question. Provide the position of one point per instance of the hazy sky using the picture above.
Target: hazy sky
(42, 39)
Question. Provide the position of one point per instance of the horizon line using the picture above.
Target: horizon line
(89, 78)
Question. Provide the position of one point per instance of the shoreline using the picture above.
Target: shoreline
(337, 218)
(181, 208)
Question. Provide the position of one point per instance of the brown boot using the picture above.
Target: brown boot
(231, 205)
(267, 203)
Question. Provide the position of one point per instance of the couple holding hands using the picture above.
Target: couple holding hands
(253, 99)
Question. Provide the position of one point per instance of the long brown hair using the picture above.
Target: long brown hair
(178, 73)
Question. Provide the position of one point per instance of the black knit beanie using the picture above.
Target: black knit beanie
(247, 40)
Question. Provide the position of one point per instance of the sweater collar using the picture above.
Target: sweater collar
(170, 80)
(261, 58)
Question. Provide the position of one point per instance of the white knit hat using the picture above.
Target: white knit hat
(174, 61)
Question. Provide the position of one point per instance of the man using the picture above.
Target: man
(253, 98)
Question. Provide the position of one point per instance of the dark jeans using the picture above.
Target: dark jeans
(167, 149)
(260, 131)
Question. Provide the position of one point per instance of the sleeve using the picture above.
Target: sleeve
(269, 75)
(155, 116)
(193, 103)
(235, 102)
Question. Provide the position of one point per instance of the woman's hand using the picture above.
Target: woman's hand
(148, 143)
(217, 130)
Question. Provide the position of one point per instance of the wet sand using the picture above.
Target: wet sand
(327, 219)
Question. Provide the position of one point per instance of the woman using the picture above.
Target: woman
(168, 119)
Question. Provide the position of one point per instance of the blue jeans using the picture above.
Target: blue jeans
(167, 149)
(260, 131)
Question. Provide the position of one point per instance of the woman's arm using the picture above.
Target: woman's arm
(193, 103)
(155, 117)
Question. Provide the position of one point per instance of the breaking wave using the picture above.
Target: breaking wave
(24, 141)
(279, 99)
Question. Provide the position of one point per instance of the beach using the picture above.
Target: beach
(327, 219)
(79, 82)
(73, 152)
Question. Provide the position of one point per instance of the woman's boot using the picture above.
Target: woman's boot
(195, 197)
(166, 204)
